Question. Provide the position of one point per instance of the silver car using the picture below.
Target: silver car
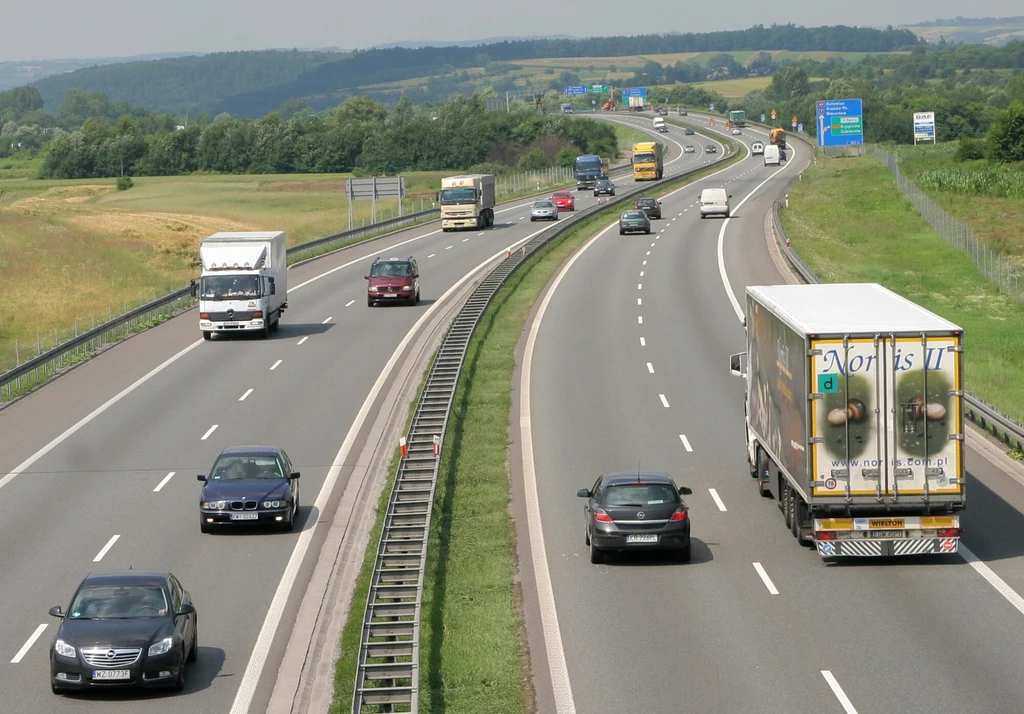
(688, 149)
(544, 211)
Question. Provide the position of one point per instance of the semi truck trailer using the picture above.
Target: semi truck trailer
(243, 286)
(467, 202)
(854, 417)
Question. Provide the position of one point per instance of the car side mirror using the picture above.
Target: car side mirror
(415, 275)
(685, 491)
(56, 611)
(736, 365)
(185, 609)
(366, 277)
(200, 477)
(730, 195)
(293, 476)
(583, 493)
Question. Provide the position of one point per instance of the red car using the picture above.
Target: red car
(564, 200)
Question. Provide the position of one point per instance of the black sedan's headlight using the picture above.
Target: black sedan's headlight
(276, 503)
(213, 505)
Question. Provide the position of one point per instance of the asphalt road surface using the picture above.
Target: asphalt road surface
(629, 369)
(97, 469)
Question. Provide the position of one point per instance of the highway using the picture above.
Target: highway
(626, 366)
(97, 469)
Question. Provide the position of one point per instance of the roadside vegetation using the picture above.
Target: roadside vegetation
(472, 641)
(849, 223)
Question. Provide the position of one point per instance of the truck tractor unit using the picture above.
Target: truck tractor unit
(243, 284)
(855, 417)
(648, 161)
(588, 170)
(467, 202)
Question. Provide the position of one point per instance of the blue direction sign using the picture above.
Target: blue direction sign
(635, 92)
(575, 90)
(840, 122)
(762, 118)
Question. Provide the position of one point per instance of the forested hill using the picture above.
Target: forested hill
(251, 84)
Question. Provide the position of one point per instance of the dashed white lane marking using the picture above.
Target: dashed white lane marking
(664, 401)
(639, 301)
(649, 252)
(163, 482)
(643, 342)
(718, 500)
(303, 340)
(650, 368)
(641, 273)
(432, 255)
(208, 432)
(639, 286)
(838, 691)
(329, 318)
(644, 263)
(464, 240)
(247, 393)
(448, 248)
(350, 303)
(652, 245)
(276, 364)
(28, 644)
(765, 579)
(686, 442)
(639, 319)
(104, 549)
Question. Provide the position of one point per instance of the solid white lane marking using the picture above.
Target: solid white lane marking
(650, 368)
(643, 342)
(639, 319)
(664, 401)
(329, 318)
(163, 482)
(28, 644)
(432, 255)
(686, 442)
(718, 500)
(276, 364)
(838, 691)
(247, 393)
(261, 650)
(994, 580)
(208, 432)
(104, 549)
(20, 468)
(303, 340)
(765, 579)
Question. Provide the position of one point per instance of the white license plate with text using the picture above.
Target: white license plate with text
(642, 538)
(111, 674)
(250, 516)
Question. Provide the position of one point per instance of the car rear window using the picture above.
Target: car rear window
(633, 494)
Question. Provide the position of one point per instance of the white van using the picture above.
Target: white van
(714, 201)
(659, 124)
(757, 148)
(771, 155)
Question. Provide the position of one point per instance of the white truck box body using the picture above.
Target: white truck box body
(772, 157)
(856, 396)
(659, 124)
(467, 211)
(243, 285)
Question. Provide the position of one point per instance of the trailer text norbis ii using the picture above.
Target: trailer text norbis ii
(648, 161)
(467, 202)
(243, 286)
(854, 417)
(589, 169)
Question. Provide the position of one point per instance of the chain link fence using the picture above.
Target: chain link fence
(1004, 273)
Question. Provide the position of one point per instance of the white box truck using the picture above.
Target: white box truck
(467, 202)
(243, 286)
(659, 125)
(854, 417)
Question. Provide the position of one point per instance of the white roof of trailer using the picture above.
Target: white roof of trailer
(242, 236)
(845, 308)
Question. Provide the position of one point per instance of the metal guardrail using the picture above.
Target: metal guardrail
(987, 416)
(387, 673)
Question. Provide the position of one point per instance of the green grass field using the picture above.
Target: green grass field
(14, 168)
(735, 88)
(849, 223)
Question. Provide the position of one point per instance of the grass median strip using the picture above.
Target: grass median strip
(849, 223)
(472, 643)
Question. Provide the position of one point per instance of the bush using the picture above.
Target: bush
(124, 183)
(970, 150)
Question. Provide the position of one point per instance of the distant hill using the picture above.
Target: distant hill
(417, 44)
(16, 74)
(978, 30)
(251, 84)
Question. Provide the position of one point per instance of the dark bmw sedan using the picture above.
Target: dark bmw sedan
(127, 628)
(636, 511)
(249, 484)
(634, 221)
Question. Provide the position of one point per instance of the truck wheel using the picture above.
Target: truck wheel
(276, 323)
(207, 335)
(490, 218)
(800, 517)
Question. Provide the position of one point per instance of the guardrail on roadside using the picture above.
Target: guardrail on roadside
(387, 672)
(980, 412)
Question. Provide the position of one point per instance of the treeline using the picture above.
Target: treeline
(359, 135)
(251, 84)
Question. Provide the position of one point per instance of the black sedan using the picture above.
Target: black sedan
(249, 485)
(710, 149)
(650, 206)
(127, 628)
(604, 187)
(634, 221)
(636, 511)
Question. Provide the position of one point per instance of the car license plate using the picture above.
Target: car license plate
(111, 674)
(888, 534)
(642, 538)
(390, 294)
(244, 516)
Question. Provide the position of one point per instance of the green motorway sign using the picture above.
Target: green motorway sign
(598, 89)
(847, 126)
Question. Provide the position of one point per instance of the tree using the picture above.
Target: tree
(788, 83)
(360, 109)
(1006, 137)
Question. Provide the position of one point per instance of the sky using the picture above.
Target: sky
(59, 29)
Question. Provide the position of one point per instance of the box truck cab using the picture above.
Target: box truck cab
(467, 202)
(243, 286)
(772, 157)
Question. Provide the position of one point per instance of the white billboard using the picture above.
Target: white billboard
(924, 126)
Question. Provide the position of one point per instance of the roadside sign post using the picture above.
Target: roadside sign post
(794, 122)
(437, 445)
(360, 189)
(762, 118)
(924, 127)
(774, 115)
(840, 122)
(403, 447)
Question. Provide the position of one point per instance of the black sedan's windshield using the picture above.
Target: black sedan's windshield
(229, 287)
(230, 468)
(118, 602)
